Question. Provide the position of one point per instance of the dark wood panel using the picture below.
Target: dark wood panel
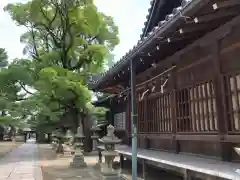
(200, 148)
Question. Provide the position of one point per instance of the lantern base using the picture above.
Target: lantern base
(108, 173)
(111, 176)
(78, 162)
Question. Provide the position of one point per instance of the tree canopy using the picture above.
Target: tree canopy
(66, 42)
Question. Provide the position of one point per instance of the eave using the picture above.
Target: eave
(174, 26)
(104, 102)
(157, 12)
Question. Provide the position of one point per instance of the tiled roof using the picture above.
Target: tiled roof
(95, 78)
(141, 42)
(148, 18)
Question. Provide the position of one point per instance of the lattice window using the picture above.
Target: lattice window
(234, 102)
(150, 120)
(183, 113)
(140, 116)
(203, 108)
(120, 120)
(196, 109)
(164, 116)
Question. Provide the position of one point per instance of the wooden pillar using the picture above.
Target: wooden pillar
(146, 111)
(99, 156)
(121, 161)
(173, 79)
(220, 92)
(187, 175)
(146, 120)
(110, 115)
(144, 172)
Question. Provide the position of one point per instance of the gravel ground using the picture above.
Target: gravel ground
(57, 168)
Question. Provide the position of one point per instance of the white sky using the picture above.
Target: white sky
(129, 15)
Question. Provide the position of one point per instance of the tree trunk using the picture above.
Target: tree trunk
(1, 133)
(87, 132)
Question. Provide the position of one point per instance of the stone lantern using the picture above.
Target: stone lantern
(109, 141)
(68, 142)
(68, 138)
(60, 138)
(95, 129)
(54, 140)
(78, 159)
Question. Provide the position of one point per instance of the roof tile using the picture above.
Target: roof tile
(160, 24)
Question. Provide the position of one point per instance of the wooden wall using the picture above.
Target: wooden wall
(199, 110)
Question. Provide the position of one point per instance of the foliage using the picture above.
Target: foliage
(100, 114)
(66, 41)
(3, 58)
(8, 89)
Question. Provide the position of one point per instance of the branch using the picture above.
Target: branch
(71, 38)
(52, 98)
(47, 44)
(34, 43)
(50, 21)
(81, 62)
(22, 86)
(92, 39)
(22, 99)
(49, 31)
(77, 66)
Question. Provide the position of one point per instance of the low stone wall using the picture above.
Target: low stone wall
(20, 138)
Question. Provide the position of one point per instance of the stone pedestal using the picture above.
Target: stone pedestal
(78, 159)
(107, 170)
(109, 141)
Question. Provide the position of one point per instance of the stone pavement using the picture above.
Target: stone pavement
(21, 164)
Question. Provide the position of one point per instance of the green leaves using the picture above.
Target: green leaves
(75, 31)
(3, 58)
(67, 40)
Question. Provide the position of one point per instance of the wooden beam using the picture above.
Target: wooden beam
(200, 137)
(214, 16)
(225, 4)
(112, 89)
(157, 136)
(194, 28)
(232, 138)
(193, 137)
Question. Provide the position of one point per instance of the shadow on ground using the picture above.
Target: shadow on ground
(57, 168)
